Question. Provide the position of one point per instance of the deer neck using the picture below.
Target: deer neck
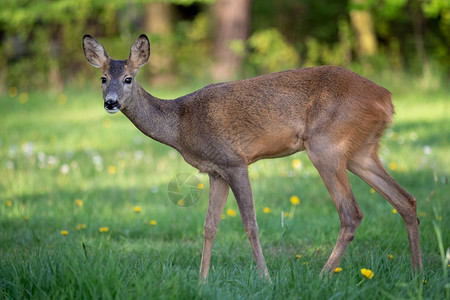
(154, 117)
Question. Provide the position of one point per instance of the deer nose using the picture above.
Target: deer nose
(112, 105)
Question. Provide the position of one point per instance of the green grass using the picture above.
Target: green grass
(57, 149)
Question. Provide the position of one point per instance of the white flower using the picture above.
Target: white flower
(65, 169)
(427, 150)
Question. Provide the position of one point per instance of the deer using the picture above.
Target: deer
(332, 113)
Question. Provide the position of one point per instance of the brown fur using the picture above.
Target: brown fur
(334, 114)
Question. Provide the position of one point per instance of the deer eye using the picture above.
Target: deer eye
(103, 79)
(128, 80)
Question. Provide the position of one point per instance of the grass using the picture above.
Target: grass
(68, 169)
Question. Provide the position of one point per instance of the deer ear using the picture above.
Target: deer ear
(139, 52)
(94, 52)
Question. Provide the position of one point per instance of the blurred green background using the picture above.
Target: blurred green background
(194, 41)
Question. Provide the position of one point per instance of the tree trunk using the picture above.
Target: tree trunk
(232, 24)
(158, 23)
(418, 24)
(362, 23)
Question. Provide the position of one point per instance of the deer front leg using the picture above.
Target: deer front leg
(218, 193)
(240, 185)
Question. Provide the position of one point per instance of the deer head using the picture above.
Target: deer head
(118, 79)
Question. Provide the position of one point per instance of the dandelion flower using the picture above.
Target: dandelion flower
(337, 270)
(8, 203)
(64, 232)
(107, 123)
(23, 98)
(367, 273)
(81, 226)
(266, 210)
(200, 186)
(12, 92)
(372, 191)
(112, 170)
(137, 209)
(231, 212)
(79, 203)
(103, 229)
(297, 164)
(62, 99)
(390, 256)
(153, 222)
(394, 211)
(392, 166)
(298, 255)
(295, 200)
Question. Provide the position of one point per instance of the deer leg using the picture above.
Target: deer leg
(334, 175)
(218, 194)
(368, 166)
(240, 185)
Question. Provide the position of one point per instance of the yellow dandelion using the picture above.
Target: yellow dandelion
(266, 210)
(81, 226)
(394, 211)
(23, 98)
(26, 217)
(64, 232)
(390, 256)
(337, 270)
(231, 212)
(62, 99)
(392, 166)
(200, 186)
(367, 273)
(79, 203)
(372, 191)
(425, 281)
(112, 169)
(153, 222)
(298, 255)
(103, 229)
(297, 164)
(295, 200)
(8, 203)
(137, 209)
(12, 92)
(107, 123)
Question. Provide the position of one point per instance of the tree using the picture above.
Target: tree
(158, 23)
(232, 25)
(362, 23)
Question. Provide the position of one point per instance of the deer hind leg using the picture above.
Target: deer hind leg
(367, 165)
(240, 185)
(218, 194)
(332, 169)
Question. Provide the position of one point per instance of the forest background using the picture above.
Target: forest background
(194, 41)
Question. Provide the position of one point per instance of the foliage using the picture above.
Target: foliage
(65, 163)
(270, 52)
(41, 40)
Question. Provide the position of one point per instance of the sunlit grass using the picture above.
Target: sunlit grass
(84, 211)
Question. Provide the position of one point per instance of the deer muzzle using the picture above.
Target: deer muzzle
(112, 106)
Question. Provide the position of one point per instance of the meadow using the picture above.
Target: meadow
(85, 211)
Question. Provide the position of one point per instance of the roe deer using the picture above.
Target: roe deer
(334, 114)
